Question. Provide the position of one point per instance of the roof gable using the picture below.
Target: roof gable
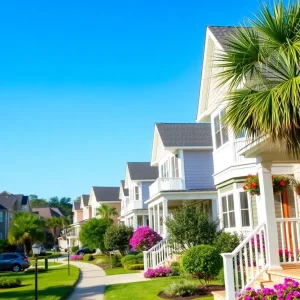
(84, 200)
(76, 205)
(139, 171)
(106, 193)
(9, 201)
(47, 212)
(123, 192)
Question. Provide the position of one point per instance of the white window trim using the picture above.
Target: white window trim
(249, 208)
(226, 194)
(218, 114)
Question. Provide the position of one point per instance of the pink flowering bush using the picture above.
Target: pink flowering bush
(76, 257)
(288, 255)
(257, 238)
(158, 272)
(289, 290)
(144, 238)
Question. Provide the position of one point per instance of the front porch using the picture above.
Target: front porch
(136, 218)
(160, 207)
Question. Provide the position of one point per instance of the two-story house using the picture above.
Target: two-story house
(9, 205)
(183, 155)
(108, 195)
(124, 197)
(267, 218)
(138, 178)
(86, 209)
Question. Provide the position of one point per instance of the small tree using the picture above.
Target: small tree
(92, 233)
(190, 226)
(226, 242)
(117, 238)
(144, 238)
(105, 211)
(202, 261)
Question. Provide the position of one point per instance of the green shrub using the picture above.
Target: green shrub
(129, 259)
(175, 267)
(88, 257)
(135, 267)
(226, 242)
(182, 288)
(221, 277)
(8, 282)
(74, 249)
(116, 261)
(202, 261)
(32, 270)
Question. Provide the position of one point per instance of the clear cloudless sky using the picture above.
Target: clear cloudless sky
(83, 82)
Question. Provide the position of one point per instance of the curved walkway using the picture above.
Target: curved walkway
(92, 281)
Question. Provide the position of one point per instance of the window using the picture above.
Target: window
(9, 256)
(244, 209)
(228, 211)
(221, 131)
(136, 193)
(174, 166)
(242, 134)
(1, 216)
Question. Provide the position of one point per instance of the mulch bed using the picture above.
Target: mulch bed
(201, 293)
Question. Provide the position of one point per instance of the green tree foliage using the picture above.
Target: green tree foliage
(63, 204)
(92, 233)
(35, 201)
(26, 228)
(5, 246)
(190, 226)
(226, 242)
(260, 65)
(117, 238)
(105, 211)
(202, 261)
(54, 224)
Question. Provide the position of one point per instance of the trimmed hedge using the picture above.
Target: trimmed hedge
(88, 257)
(7, 282)
(131, 259)
(135, 267)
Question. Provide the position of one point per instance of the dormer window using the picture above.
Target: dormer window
(221, 131)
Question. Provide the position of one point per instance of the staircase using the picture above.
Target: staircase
(160, 254)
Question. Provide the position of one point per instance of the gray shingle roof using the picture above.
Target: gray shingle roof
(104, 193)
(125, 191)
(185, 134)
(47, 212)
(85, 199)
(7, 200)
(142, 171)
(222, 32)
(77, 205)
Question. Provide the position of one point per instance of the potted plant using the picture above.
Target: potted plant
(280, 184)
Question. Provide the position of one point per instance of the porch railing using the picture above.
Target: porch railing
(288, 239)
(159, 254)
(166, 184)
(246, 263)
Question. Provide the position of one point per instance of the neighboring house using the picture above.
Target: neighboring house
(9, 205)
(274, 217)
(138, 178)
(183, 155)
(86, 209)
(108, 195)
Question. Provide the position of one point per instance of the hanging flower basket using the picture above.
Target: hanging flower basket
(251, 184)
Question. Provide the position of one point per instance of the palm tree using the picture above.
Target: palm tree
(53, 224)
(261, 67)
(26, 228)
(106, 211)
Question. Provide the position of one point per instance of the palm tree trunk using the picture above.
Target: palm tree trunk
(27, 246)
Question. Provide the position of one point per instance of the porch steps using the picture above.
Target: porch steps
(269, 278)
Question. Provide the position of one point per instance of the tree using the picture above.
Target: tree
(260, 65)
(117, 238)
(63, 204)
(92, 233)
(35, 201)
(26, 228)
(105, 211)
(190, 226)
(53, 224)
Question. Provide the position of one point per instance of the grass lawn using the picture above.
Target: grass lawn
(42, 263)
(146, 290)
(55, 284)
(117, 271)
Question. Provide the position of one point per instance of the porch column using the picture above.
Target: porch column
(214, 209)
(150, 217)
(158, 219)
(154, 219)
(267, 209)
(134, 220)
(165, 216)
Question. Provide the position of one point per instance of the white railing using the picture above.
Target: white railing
(159, 254)
(239, 144)
(134, 204)
(165, 184)
(246, 263)
(288, 239)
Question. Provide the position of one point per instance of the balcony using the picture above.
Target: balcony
(166, 184)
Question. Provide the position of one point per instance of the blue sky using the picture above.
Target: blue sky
(83, 82)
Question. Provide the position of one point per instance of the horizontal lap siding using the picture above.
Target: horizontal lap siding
(198, 168)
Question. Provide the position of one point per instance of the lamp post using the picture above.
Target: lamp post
(68, 260)
(36, 250)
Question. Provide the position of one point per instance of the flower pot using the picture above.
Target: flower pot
(297, 189)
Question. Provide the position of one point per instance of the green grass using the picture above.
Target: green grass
(42, 263)
(55, 284)
(146, 290)
(117, 271)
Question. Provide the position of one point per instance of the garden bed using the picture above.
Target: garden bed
(202, 292)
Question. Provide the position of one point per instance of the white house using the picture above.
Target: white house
(108, 195)
(139, 176)
(274, 219)
(183, 155)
